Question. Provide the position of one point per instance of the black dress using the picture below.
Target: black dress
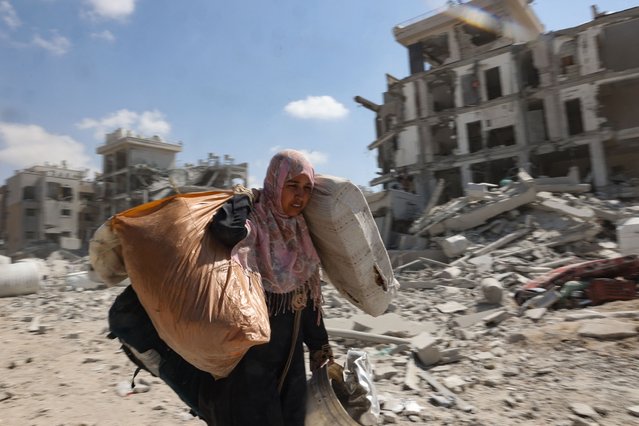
(249, 395)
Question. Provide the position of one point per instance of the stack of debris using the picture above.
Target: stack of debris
(515, 234)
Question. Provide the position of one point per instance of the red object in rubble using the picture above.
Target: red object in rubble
(602, 290)
(626, 267)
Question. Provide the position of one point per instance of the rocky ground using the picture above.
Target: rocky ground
(564, 367)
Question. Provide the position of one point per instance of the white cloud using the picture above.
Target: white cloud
(317, 107)
(315, 157)
(9, 15)
(111, 9)
(105, 35)
(24, 145)
(57, 45)
(153, 123)
(147, 123)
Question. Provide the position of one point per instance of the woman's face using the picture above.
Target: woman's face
(295, 195)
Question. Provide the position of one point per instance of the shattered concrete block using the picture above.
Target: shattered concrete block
(524, 192)
(450, 355)
(483, 263)
(492, 290)
(549, 202)
(391, 324)
(607, 329)
(474, 318)
(455, 245)
(449, 273)
(454, 381)
(628, 236)
(426, 348)
(450, 307)
(536, 314)
(384, 372)
(496, 317)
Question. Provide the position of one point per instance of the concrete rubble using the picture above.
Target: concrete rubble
(454, 347)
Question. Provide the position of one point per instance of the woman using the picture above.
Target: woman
(268, 387)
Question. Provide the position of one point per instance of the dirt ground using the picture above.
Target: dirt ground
(57, 367)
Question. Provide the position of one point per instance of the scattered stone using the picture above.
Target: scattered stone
(384, 372)
(535, 314)
(496, 317)
(634, 410)
(454, 381)
(426, 348)
(451, 307)
(583, 410)
(608, 329)
(441, 400)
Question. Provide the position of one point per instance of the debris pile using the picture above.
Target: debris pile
(456, 346)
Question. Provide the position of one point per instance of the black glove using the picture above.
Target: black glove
(228, 224)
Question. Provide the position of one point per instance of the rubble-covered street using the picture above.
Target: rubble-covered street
(455, 347)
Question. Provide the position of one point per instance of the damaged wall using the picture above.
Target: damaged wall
(546, 105)
(407, 147)
(581, 108)
(618, 104)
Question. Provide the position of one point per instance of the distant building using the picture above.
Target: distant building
(47, 207)
(138, 169)
(128, 165)
(489, 92)
(47, 204)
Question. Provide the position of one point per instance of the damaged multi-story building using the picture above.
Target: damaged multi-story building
(138, 169)
(48, 205)
(489, 93)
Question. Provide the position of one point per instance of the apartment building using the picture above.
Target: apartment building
(489, 92)
(129, 164)
(138, 169)
(47, 204)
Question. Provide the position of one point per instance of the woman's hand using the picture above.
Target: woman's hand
(321, 357)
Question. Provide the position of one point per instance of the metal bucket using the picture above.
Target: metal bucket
(322, 407)
(19, 278)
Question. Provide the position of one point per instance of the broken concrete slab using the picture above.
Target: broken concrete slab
(450, 307)
(492, 290)
(391, 324)
(524, 192)
(449, 273)
(455, 245)
(547, 201)
(366, 337)
(536, 314)
(607, 329)
(426, 350)
(474, 318)
(497, 317)
(417, 285)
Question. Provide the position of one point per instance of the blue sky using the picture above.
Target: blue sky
(234, 77)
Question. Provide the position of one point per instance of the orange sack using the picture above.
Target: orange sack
(202, 304)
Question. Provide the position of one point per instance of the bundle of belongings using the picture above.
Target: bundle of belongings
(190, 303)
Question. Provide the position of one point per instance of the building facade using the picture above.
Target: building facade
(489, 92)
(129, 163)
(48, 204)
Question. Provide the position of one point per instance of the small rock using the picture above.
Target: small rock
(634, 410)
(583, 410)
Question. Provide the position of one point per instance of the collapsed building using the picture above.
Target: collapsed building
(138, 169)
(49, 207)
(490, 93)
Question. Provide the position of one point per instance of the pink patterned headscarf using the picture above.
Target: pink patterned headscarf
(280, 246)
